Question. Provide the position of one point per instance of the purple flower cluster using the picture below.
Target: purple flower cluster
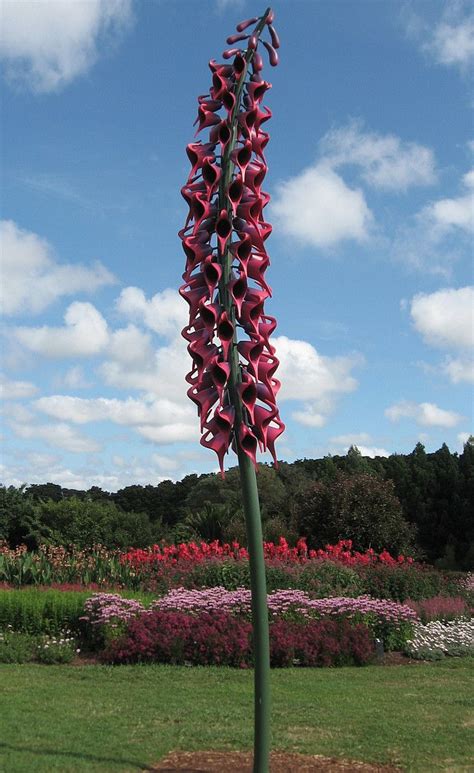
(110, 609)
(284, 601)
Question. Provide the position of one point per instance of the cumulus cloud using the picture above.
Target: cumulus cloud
(131, 346)
(74, 378)
(46, 45)
(319, 209)
(32, 279)
(452, 41)
(445, 318)
(165, 313)
(386, 161)
(459, 369)
(84, 334)
(439, 233)
(425, 414)
(161, 421)
(313, 379)
(16, 390)
(452, 213)
(342, 443)
(57, 435)
(131, 411)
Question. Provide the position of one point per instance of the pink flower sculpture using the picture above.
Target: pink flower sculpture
(232, 379)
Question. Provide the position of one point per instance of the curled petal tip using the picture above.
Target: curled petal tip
(274, 36)
(270, 16)
(272, 54)
(241, 26)
(235, 39)
(229, 52)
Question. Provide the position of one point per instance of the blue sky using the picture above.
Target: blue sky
(370, 173)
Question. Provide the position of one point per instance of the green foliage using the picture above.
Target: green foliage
(19, 520)
(85, 522)
(327, 578)
(359, 507)
(35, 611)
(20, 647)
(16, 647)
(401, 583)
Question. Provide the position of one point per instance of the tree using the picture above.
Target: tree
(19, 521)
(359, 507)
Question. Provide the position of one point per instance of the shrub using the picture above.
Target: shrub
(219, 638)
(357, 506)
(177, 637)
(16, 647)
(442, 608)
(415, 581)
(19, 647)
(56, 649)
(320, 643)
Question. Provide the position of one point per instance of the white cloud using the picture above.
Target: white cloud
(386, 161)
(463, 438)
(447, 214)
(171, 433)
(450, 39)
(438, 234)
(165, 463)
(56, 435)
(32, 279)
(459, 369)
(351, 439)
(445, 318)
(453, 43)
(315, 380)
(16, 390)
(74, 378)
(359, 440)
(165, 313)
(425, 414)
(47, 44)
(317, 208)
(84, 334)
(373, 451)
(130, 412)
(131, 346)
(161, 421)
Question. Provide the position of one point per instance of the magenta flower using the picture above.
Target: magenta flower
(232, 378)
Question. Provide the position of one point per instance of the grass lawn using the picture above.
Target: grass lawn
(99, 718)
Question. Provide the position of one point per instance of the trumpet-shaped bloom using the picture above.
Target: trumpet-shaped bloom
(223, 240)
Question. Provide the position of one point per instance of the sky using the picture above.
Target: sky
(371, 178)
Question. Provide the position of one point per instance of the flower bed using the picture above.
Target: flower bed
(335, 571)
(437, 639)
(387, 620)
(221, 638)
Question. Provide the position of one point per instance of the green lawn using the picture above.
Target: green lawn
(99, 718)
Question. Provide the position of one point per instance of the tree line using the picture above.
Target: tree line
(421, 504)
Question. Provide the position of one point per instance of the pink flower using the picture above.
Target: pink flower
(224, 243)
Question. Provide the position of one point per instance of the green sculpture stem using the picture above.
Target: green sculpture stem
(248, 479)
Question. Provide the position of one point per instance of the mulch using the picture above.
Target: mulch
(241, 762)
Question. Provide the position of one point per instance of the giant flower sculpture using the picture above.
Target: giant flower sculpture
(232, 380)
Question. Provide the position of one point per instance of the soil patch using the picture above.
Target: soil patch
(241, 762)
